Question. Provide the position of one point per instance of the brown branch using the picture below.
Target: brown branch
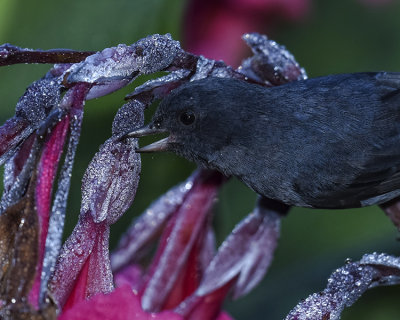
(10, 54)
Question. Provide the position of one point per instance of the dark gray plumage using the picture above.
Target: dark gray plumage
(328, 142)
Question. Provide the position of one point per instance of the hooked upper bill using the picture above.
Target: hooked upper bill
(161, 145)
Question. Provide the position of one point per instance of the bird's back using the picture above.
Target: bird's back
(325, 142)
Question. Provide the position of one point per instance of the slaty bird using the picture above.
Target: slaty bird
(327, 142)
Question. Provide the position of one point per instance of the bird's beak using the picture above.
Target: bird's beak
(147, 130)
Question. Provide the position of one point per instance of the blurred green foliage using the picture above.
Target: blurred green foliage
(336, 36)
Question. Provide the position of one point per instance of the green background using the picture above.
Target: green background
(336, 36)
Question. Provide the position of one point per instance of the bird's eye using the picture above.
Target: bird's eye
(187, 117)
(157, 124)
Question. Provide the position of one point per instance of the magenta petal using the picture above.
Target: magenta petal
(95, 274)
(83, 269)
(204, 307)
(72, 101)
(47, 170)
(145, 228)
(208, 250)
(240, 263)
(121, 304)
(174, 249)
(131, 275)
(245, 255)
(224, 316)
(189, 278)
(15, 165)
(213, 27)
(100, 278)
(23, 163)
(12, 132)
(216, 36)
(108, 189)
(72, 258)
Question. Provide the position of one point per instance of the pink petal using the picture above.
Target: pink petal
(108, 189)
(213, 28)
(208, 250)
(72, 101)
(47, 170)
(204, 307)
(83, 269)
(12, 132)
(100, 278)
(224, 316)
(121, 304)
(188, 279)
(149, 224)
(73, 256)
(48, 166)
(182, 233)
(78, 293)
(95, 275)
(131, 275)
(246, 254)
(218, 37)
(14, 165)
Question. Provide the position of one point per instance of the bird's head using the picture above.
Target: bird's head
(193, 115)
(202, 117)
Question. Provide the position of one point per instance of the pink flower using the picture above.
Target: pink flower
(121, 304)
(187, 278)
(213, 27)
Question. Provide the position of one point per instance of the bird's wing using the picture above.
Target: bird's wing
(378, 179)
(375, 187)
(377, 182)
(390, 83)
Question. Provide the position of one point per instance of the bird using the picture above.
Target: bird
(324, 142)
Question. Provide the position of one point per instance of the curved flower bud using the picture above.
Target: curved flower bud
(109, 186)
(346, 285)
(271, 63)
(148, 55)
